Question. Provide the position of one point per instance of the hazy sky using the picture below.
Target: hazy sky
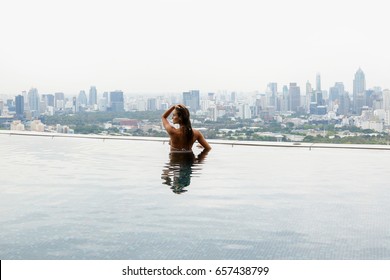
(177, 45)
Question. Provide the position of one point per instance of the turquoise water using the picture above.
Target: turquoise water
(67, 198)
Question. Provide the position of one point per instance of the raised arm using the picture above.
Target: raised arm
(165, 121)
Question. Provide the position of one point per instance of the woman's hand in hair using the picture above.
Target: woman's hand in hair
(180, 106)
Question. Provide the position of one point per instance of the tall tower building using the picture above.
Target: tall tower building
(33, 100)
(19, 106)
(335, 94)
(192, 100)
(59, 100)
(272, 90)
(152, 104)
(345, 104)
(359, 87)
(116, 101)
(318, 94)
(285, 102)
(309, 93)
(49, 99)
(82, 99)
(93, 96)
(295, 97)
(386, 99)
(318, 82)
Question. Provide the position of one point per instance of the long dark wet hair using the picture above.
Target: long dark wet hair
(184, 117)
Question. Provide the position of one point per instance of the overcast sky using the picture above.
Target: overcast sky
(176, 45)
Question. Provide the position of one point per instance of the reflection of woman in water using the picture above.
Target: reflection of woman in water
(182, 159)
(181, 167)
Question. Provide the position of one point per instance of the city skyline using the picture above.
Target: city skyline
(171, 46)
(271, 87)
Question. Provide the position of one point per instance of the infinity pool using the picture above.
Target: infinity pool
(69, 198)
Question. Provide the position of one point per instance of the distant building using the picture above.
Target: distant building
(33, 100)
(295, 97)
(17, 125)
(344, 104)
(59, 100)
(37, 125)
(386, 99)
(152, 104)
(211, 96)
(117, 101)
(272, 91)
(318, 82)
(309, 94)
(82, 99)
(192, 100)
(92, 96)
(49, 99)
(19, 106)
(359, 87)
(244, 111)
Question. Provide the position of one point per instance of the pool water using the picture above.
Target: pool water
(68, 198)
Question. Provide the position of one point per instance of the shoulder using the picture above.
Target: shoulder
(197, 133)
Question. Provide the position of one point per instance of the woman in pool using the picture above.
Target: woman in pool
(184, 137)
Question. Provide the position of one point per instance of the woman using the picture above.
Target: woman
(184, 137)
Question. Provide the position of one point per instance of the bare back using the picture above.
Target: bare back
(179, 143)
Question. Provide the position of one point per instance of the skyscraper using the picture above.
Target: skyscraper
(295, 97)
(318, 82)
(152, 104)
(82, 99)
(309, 93)
(272, 90)
(359, 86)
(335, 94)
(19, 106)
(92, 96)
(116, 101)
(345, 104)
(59, 100)
(49, 98)
(33, 100)
(192, 100)
(336, 91)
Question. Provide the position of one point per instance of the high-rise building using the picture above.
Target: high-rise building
(211, 96)
(386, 99)
(359, 87)
(59, 100)
(285, 100)
(33, 100)
(82, 99)
(309, 93)
(295, 97)
(49, 99)
(272, 90)
(92, 96)
(336, 91)
(19, 106)
(244, 111)
(344, 104)
(192, 100)
(233, 97)
(152, 104)
(318, 82)
(318, 93)
(117, 101)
